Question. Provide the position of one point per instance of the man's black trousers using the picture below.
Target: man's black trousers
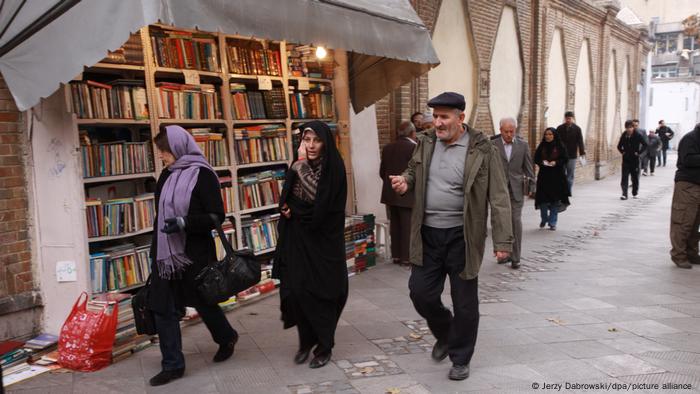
(444, 255)
(630, 169)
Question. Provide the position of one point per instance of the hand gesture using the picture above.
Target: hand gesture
(398, 183)
(286, 211)
(301, 151)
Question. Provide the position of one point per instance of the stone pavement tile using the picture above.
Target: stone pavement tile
(359, 304)
(329, 387)
(198, 378)
(59, 389)
(417, 363)
(615, 315)
(688, 309)
(601, 331)
(251, 379)
(47, 381)
(411, 344)
(655, 312)
(539, 305)
(566, 371)
(689, 324)
(553, 334)
(689, 341)
(585, 303)
(675, 365)
(666, 382)
(503, 337)
(367, 316)
(585, 349)
(279, 337)
(569, 318)
(501, 309)
(346, 334)
(282, 360)
(355, 349)
(381, 385)
(437, 382)
(112, 379)
(647, 327)
(240, 359)
(635, 345)
(405, 313)
(382, 330)
(623, 365)
(513, 376)
(489, 356)
(260, 323)
(520, 320)
(532, 353)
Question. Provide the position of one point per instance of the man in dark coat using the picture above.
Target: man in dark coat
(631, 146)
(653, 145)
(685, 208)
(395, 158)
(665, 135)
(572, 138)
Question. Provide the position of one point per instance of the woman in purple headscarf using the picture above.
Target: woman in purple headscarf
(187, 194)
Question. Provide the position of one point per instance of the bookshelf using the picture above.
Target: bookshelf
(217, 86)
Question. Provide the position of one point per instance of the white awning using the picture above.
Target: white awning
(389, 45)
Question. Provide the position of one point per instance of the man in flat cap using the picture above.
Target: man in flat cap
(455, 173)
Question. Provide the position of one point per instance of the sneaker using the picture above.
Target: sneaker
(439, 351)
(684, 264)
(652, 174)
(645, 173)
(623, 197)
(225, 351)
(458, 372)
(165, 377)
(634, 196)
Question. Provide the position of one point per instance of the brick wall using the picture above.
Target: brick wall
(578, 20)
(17, 298)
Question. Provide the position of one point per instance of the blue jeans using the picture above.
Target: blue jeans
(549, 211)
(570, 169)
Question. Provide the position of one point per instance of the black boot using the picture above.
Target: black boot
(320, 360)
(225, 351)
(301, 356)
(165, 377)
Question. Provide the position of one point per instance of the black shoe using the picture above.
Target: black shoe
(514, 264)
(552, 228)
(458, 372)
(542, 224)
(439, 351)
(225, 351)
(165, 377)
(506, 260)
(302, 356)
(320, 361)
(623, 197)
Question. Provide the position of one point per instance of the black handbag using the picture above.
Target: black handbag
(143, 317)
(222, 279)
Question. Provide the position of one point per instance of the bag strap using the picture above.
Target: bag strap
(224, 241)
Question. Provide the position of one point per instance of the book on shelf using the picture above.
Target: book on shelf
(119, 267)
(212, 144)
(302, 62)
(257, 144)
(119, 99)
(253, 104)
(227, 193)
(116, 158)
(144, 207)
(185, 50)
(181, 101)
(130, 53)
(316, 103)
(249, 57)
(116, 216)
(229, 232)
(260, 189)
(259, 233)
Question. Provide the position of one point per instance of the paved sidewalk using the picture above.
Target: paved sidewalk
(597, 301)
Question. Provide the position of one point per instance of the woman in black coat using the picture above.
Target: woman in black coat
(552, 195)
(310, 260)
(186, 197)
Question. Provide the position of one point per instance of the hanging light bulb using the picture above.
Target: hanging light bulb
(321, 52)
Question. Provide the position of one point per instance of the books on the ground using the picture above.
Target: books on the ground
(180, 49)
(41, 342)
(257, 144)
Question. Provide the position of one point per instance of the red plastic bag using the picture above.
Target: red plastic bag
(86, 339)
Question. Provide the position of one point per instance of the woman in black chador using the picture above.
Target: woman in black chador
(552, 195)
(310, 260)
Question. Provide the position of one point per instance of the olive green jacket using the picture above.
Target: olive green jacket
(484, 184)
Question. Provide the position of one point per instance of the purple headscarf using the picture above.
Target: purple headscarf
(175, 200)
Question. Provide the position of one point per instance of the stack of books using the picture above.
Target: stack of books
(120, 99)
(302, 62)
(129, 53)
(144, 208)
(227, 193)
(213, 145)
(119, 267)
(261, 189)
(116, 158)
(113, 217)
(257, 144)
(180, 49)
(259, 233)
(180, 101)
(253, 104)
(316, 103)
(360, 252)
(249, 57)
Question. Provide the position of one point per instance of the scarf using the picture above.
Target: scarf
(175, 200)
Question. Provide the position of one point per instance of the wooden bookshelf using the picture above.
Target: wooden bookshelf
(151, 73)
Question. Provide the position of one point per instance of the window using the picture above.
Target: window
(664, 71)
(690, 42)
(667, 42)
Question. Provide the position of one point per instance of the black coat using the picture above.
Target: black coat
(631, 146)
(665, 134)
(689, 157)
(552, 185)
(395, 158)
(572, 138)
(199, 244)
